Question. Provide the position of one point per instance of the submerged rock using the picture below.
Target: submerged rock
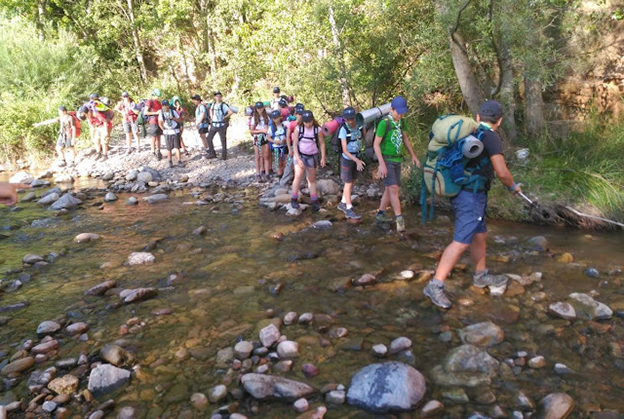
(466, 365)
(262, 386)
(154, 199)
(49, 199)
(589, 309)
(269, 335)
(107, 378)
(18, 366)
(388, 387)
(32, 259)
(136, 295)
(101, 288)
(555, 406)
(141, 258)
(484, 334)
(86, 237)
(67, 201)
(48, 327)
(563, 310)
(68, 384)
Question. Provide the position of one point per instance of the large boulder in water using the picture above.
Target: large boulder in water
(466, 366)
(327, 187)
(107, 378)
(67, 201)
(484, 334)
(388, 387)
(21, 177)
(263, 386)
(587, 308)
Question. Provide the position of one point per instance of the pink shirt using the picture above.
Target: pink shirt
(307, 142)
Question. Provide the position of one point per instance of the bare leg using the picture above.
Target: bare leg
(298, 176)
(394, 199)
(346, 193)
(258, 159)
(385, 199)
(449, 259)
(311, 176)
(266, 158)
(477, 251)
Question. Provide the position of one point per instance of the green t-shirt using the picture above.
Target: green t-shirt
(392, 142)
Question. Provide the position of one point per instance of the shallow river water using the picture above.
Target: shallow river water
(224, 291)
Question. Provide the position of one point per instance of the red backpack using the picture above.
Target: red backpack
(76, 122)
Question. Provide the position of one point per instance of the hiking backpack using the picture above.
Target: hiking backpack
(454, 142)
(316, 137)
(74, 115)
(336, 143)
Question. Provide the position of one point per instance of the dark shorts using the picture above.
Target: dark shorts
(394, 173)
(173, 141)
(260, 141)
(129, 127)
(153, 130)
(348, 170)
(202, 130)
(470, 211)
(309, 161)
(63, 141)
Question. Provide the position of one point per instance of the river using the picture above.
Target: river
(225, 289)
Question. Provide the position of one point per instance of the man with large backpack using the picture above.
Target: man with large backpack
(219, 121)
(349, 137)
(470, 206)
(152, 109)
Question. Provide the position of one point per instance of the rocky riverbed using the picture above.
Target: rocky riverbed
(139, 291)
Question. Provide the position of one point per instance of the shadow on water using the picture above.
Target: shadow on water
(223, 290)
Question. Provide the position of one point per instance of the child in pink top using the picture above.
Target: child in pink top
(307, 142)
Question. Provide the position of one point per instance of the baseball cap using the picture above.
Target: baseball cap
(93, 96)
(165, 103)
(217, 93)
(83, 109)
(196, 97)
(348, 113)
(399, 104)
(275, 114)
(492, 109)
(125, 94)
(299, 111)
(276, 90)
(299, 105)
(283, 103)
(307, 116)
(156, 92)
(259, 105)
(62, 108)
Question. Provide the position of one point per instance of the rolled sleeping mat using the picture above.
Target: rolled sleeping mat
(267, 103)
(289, 99)
(371, 115)
(330, 127)
(472, 147)
(234, 109)
(292, 125)
(248, 110)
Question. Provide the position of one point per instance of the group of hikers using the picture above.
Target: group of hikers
(293, 137)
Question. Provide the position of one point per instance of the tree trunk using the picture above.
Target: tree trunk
(507, 93)
(465, 75)
(41, 7)
(344, 84)
(136, 40)
(533, 107)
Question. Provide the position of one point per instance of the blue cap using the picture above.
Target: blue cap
(276, 114)
(307, 116)
(399, 104)
(348, 113)
(259, 105)
(283, 103)
(165, 103)
(491, 109)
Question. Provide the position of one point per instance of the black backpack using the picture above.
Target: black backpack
(336, 143)
(316, 138)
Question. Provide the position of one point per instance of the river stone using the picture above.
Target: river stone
(136, 295)
(466, 365)
(589, 309)
(199, 401)
(18, 366)
(335, 397)
(537, 362)
(262, 386)
(243, 349)
(288, 349)
(432, 408)
(217, 393)
(86, 237)
(301, 405)
(110, 197)
(484, 334)
(400, 344)
(383, 388)
(45, 347)
(555, 406)
(154, 199)
(327, 187)
(127, 412)
(32, 259)
(366, 279)
(380, 350)
(101, 288)
(30, 196)
(269, 335)
(115, 355)
(67, 201)
(322, 225)
(49, 199)
(132, 201)
(67, 384)
(106, 378)
(563, 310)
(131, 176)
(145, 177)
(48, 327)
(77, 328)
(21, 177)
(48, 406)
(538, 243)
(141, 258)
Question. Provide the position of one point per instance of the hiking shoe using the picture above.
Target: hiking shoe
(128, 151)
(435, 291)
(342, 207)
(159, 155)
(381, 217)
(170, 164)
(104, 157)
(486, 279)
(294, 203)
(98, 157)
(315, 206)
(400, 223)
(351, 214)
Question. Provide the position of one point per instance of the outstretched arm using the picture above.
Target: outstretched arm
(8, 192)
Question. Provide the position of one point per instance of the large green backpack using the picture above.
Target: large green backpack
(455, 141)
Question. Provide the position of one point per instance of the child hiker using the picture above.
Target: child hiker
(259, 129)
(307, 143)
(277, 137)
(350, 164)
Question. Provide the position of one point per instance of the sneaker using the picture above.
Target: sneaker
(98, 157)
(351, 214)
(170, 164)
(294, 203)
(381, 217)
(128, 152)
(315, 206)
(342, 207)
(159, 155)
(61, 163)
(486, 279)
(104, 157)
(435, 291)
(400, 223)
